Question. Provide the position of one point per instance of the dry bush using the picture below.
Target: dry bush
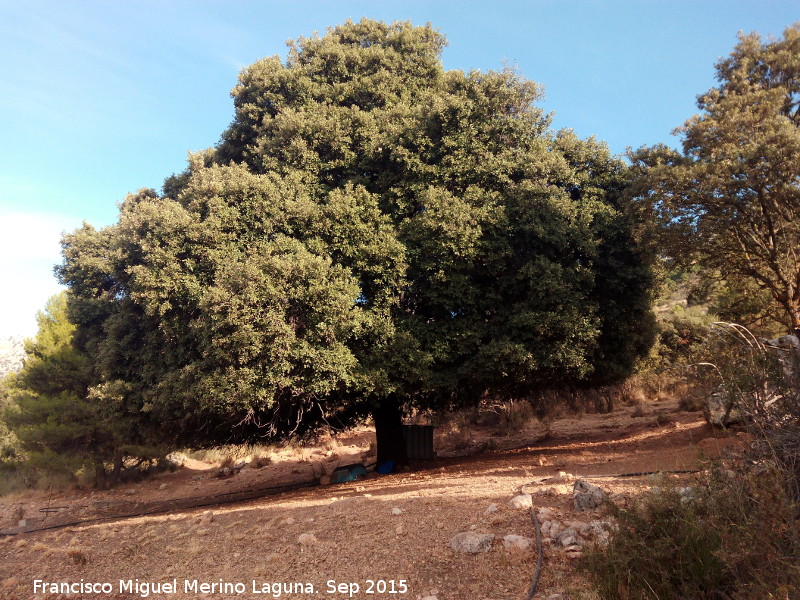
(261, 460)
(762, 383)
(77, 556)
(512, 415)
(728, 537)
(455, 433)
(228, 455)
(639, 411)
(737, 534)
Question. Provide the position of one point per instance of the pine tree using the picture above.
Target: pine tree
(58, 424)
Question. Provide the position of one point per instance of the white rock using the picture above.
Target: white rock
(518, 543)
(555, 529)
(521, 501)
(595, 529)
(587, 496)
(288, 521)
(397, 511)
(568, 538)
(306, 538)
(720, 410)
(562, 477)
(472, 542)
(492, 508)
(544, 514)
(163, 486)
(545, 528)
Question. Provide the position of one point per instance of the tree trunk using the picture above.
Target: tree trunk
(388, 418)
(100, 478)
(796, 323)
(794, 315)
(117, 470)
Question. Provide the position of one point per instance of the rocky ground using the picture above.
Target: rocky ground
(12, 352)
(453, 528)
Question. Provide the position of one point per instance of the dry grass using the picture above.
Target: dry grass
(78, 556)
(357, 535)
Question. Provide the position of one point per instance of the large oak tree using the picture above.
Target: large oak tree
(372, 233)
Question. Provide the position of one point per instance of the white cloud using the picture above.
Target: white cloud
(29, 249)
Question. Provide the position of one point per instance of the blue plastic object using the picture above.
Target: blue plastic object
(348, 473)
(385, 467)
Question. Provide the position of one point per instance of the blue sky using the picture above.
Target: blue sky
(98, 99)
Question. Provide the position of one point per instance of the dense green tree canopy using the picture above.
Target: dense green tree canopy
(58, 423)
(372, 233)
(731, 201)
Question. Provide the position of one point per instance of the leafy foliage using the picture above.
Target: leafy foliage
(373, 232)
(731, 200)
(730, 536)
(735, 532)
(50, 409)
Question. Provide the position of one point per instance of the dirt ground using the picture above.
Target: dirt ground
(377, 538)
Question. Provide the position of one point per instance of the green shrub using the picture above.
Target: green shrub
(661, 549)
(732, 536)
(737, 534)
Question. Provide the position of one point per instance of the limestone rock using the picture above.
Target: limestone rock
(587, 496)
(551, 529)
(306, 539)
(568, 538)
(472, 542)
(12, 355)
(719, 410)
(562, 477)
(524, 501)
(492, 508)
(518, 543)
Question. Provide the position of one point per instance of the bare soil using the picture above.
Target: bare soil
(349, 533)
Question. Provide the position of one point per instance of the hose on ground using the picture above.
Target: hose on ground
(537, 574)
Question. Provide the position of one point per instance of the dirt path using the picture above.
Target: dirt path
(393, 531)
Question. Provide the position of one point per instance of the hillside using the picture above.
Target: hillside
(390, 528)
(12, 353)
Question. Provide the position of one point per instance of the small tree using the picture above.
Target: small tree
(51, 412)
(731, 201)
